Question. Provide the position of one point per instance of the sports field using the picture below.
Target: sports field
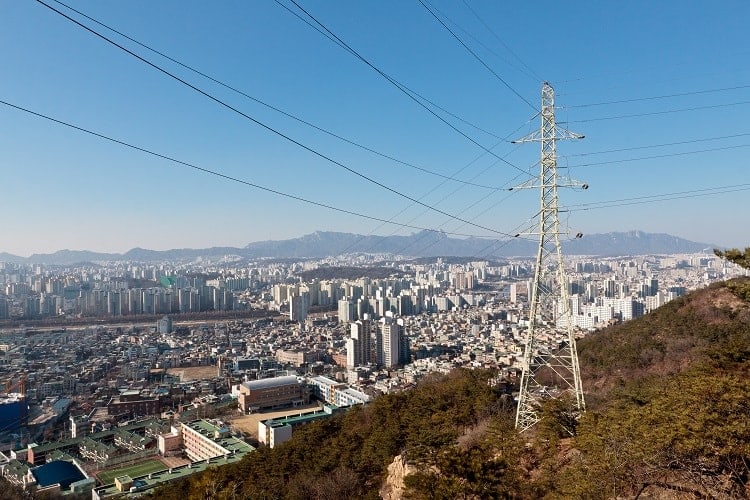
(135, 470)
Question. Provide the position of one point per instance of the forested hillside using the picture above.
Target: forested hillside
(669, 407)
(346, 456)
(668, 417)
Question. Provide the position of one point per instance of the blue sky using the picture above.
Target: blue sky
(65, 189)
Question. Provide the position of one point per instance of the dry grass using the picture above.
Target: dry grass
(191, 373)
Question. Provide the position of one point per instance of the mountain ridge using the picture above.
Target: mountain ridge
(320, 244)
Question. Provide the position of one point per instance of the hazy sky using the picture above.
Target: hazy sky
(61, 188)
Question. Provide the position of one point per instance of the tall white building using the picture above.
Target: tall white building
(351, 352)
(391, 332)
(298, 307)
(360, 335)
(346, 310)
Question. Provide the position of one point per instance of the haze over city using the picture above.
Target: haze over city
(659, 90)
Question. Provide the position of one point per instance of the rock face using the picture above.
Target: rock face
(393, 488)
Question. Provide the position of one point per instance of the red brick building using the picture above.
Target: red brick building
(271, 393)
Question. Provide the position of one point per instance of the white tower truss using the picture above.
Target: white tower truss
(550, 360)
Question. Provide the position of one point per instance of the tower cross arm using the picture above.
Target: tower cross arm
(559, 134)
(562, 182)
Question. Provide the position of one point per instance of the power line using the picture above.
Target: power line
(258, 122)
(482, 254)
(362, 237)
(435, 188)
(668, 111)
(406, 87)
(405, 90)
(615, 205)
(270, 106)
(475, 203)
(219, 174)
(440, 227)
(476, 56)
(666, 155)
(521, 70)
(351, 51)
(647, 70)
(497, 37)
(665, 144)
(652, 98)
(456, 190)
(679, 195)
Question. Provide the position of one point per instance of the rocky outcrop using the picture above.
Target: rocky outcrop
(393, 487)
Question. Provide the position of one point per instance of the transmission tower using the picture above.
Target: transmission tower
(550, 360)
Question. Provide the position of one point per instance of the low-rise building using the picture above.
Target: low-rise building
(203, 441)
(271, 393)
(337, 393)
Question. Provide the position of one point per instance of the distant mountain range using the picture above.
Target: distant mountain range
(423, 244)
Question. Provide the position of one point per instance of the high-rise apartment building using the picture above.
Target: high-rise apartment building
(358, 347)
(299, 306)
(390, 334)
(346, 310)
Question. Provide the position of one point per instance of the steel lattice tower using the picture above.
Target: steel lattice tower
(550, 360)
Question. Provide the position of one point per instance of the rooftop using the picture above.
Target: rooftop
(301, 418)
(228, 442)
(271, 382)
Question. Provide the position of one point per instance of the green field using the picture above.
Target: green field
(135, 470)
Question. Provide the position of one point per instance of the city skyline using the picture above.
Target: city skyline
(67, 189)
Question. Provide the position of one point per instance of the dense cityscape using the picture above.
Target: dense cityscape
(137, 369)
(472, 316)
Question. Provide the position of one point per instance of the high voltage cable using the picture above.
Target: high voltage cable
(407, 88)
(452, 193)
(523, 71)
(494, 205)
(639, 99)
(642, 70)
(463, 210)
(270, 106)
(665, 144)
(476, 56)
(466, 209)
(422, 236)
(221, 175)
(655, 198)
(664, 112)
(666, 155)
(258, 122)
(652, 98)
(406, 91)
(362, 237)
(707, 191)
(660, 198)
(482, 255)
(497, 37)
